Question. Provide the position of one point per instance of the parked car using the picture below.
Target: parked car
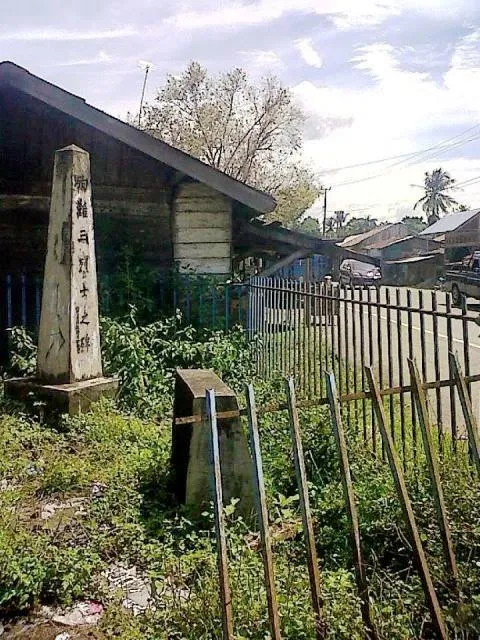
(463, 279)
(355, 273)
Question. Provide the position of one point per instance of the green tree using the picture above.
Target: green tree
(360, 225)
(309, 225)
(415, 224)
(251, 131)
(436, 200)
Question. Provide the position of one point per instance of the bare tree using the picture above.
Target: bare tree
(252, 132)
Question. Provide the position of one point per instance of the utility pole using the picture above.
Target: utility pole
(143, 64)
(324, 226)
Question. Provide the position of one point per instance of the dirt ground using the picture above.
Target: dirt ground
(47, 630)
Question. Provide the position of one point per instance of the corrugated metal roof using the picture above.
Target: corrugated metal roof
(351, 241)
(449, 222)
(411, 259)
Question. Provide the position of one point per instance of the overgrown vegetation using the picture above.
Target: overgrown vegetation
(119, 466)
(145, 357)
(103, 482)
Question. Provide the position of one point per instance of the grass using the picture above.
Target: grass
(117, 466)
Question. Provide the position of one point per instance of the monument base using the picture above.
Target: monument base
(72, 398)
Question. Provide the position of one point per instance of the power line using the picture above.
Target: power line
(439, 148)
(402, 155)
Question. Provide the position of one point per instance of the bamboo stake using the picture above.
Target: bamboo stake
(312, 560)
(401, 488)
(262, 513)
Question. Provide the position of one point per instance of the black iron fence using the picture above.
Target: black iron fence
(309, 328)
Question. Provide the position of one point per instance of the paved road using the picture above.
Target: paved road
(389, 354)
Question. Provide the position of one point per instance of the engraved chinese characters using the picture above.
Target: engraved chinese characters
(69, 341)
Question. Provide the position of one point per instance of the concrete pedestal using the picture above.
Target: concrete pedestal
(72, 398)
(190, 444)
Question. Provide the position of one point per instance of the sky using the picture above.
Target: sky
(390, 85)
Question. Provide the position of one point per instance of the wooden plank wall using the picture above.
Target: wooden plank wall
(131, 191)
(202, 234)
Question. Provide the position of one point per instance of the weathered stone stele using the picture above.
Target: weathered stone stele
(69, 363)
(191, 463)
(69, 336)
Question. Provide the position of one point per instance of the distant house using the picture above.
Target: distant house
(405, 258)
(459, 231)
(374, 241)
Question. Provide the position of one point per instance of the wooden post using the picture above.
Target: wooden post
(222, 559)
(471, 423)
(401, 488)
(423, 418)
(312, 560)
(360, 576)
(259, 485)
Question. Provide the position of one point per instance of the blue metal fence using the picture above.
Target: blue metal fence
(202, 302)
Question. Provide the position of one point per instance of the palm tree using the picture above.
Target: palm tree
(340, 219)
(436, 200)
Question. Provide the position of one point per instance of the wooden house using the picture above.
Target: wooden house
(460, 232)
(170, 207)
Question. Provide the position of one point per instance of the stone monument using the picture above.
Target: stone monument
(69, 363)
(192, 473)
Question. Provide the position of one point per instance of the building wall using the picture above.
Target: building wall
(467, 235)
(132, 192)
(389, 233)
(415, 246)
(202, 230)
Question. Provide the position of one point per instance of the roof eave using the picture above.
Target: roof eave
(22, 80)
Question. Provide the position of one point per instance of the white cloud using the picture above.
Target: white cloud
(309, 54)
(388, 118)
(66, 35)
(101, 58)
(262, 59)
(344, 13)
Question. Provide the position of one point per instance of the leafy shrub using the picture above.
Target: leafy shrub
(145, 357)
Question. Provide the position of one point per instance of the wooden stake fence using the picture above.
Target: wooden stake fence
(262, 514)
(418, 389)
(401, 488)
(360, 576)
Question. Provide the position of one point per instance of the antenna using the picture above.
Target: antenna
(147, 66)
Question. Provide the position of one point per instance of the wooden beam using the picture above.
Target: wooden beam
(465, 401)
(300, 472)
(284, 262)
(261, 501)
(24, 202)
(360, 575)
(222, 558)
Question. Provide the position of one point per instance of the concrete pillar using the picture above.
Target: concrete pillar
(190, 444)
(69, 336)
(69, 363)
